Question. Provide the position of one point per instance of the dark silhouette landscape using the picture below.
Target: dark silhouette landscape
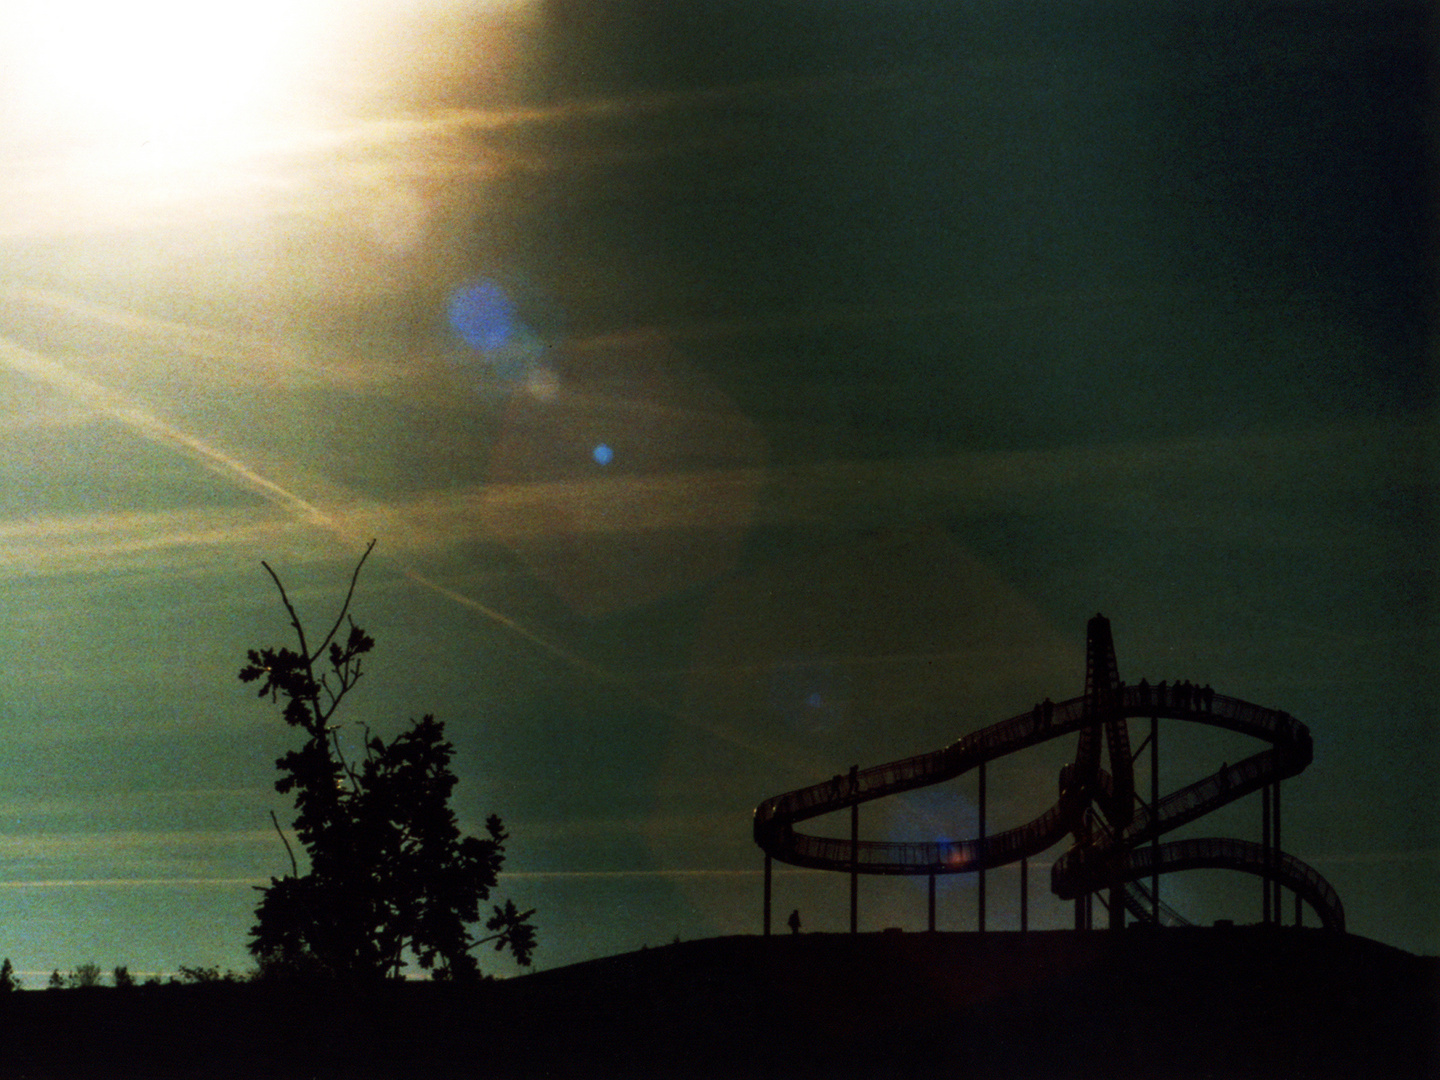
(1220, 1002)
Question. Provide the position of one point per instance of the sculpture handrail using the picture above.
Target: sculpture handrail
(1082, 783)
(1070, 879)
(775, 817)
(1141, 902)
(922, 770)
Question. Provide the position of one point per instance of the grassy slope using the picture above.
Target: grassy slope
(1195, 1003)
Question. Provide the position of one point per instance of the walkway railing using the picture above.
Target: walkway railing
(1113, 856)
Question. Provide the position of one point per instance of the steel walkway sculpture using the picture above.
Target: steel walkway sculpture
(1116, 834)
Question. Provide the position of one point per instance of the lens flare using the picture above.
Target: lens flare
(483, 315)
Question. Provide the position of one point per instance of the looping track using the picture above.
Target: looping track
(1110, 849)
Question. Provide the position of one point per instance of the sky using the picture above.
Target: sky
(736, 392)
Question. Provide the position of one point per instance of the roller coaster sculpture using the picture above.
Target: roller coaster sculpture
(1116, 834)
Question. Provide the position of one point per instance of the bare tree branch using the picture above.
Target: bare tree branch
(345, 607)
(294, 618)
(313, 701)
(340, 756)
(294, 867)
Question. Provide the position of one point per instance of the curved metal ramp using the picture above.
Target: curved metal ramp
(1105, 858)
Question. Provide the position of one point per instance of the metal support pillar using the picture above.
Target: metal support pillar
(767, 895)
(1265, 854)
(1024, 895)
(1154, 809)
(980, 898)
(1299, 911)
(854, 867)
(1275, 839)
(1079, 913)
(931, 926)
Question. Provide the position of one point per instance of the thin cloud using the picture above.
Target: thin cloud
(118, 840)
(246, 351)
(432, 522)
(44, 195)
(47, 370)
(135, 855)
(873, 490)
(133, 883)
(51, 371)
(688, 499)
(158, 541)
(542, 875)
(723, 98)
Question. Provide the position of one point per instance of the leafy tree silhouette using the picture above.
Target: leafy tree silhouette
(86, 975)
(388, 868)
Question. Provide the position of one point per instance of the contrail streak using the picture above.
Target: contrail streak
(44, 369)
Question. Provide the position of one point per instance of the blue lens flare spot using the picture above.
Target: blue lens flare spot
(602, 454)
(483, 315)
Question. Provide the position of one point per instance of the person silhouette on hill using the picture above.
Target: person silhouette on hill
(794, 921)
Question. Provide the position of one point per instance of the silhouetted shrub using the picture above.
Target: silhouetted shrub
(84, 977)
(389, 871)
(207, 975)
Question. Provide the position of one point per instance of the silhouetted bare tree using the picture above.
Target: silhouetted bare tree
(389, 871)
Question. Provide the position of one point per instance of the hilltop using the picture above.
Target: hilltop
(1226, 1002)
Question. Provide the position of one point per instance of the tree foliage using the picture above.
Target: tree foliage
(389, 872)
(85, 976)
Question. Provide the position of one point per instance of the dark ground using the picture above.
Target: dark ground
(1176, 1003)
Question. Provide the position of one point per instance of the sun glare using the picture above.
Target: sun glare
(150, 68)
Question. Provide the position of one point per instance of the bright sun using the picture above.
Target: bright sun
(150, 68)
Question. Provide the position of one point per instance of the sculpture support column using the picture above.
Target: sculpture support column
(1154, 803)
(980, 897)
(1024, 895)
(854, 869)
(767, 895)
(1275, 843)
(1265, 854)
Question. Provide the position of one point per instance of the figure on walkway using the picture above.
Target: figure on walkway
(794, 921)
